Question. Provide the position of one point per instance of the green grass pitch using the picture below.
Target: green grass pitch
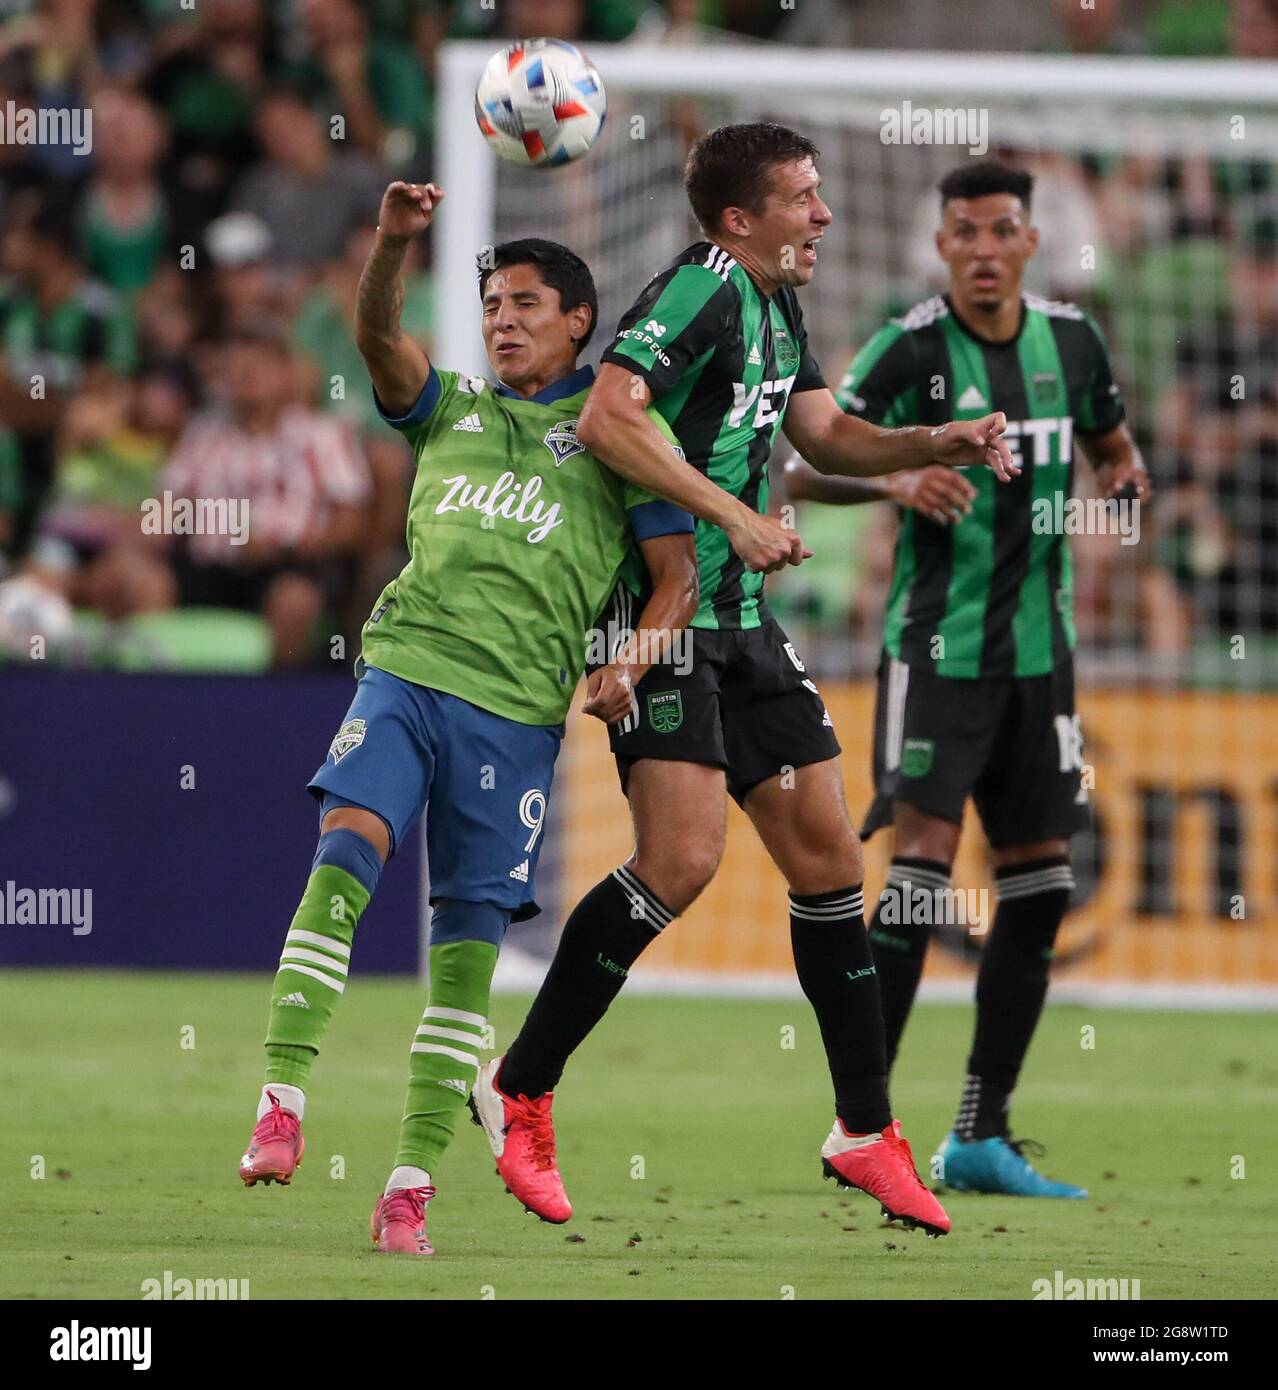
(689, 1140)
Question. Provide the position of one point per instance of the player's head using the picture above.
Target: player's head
(753, 188)
(985, 235)
(539, 310)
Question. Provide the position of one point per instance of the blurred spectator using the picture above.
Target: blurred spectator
(208, 74)
(304, 481)
(373, 82)
(59, 331)
(306, 190)
(124, 218)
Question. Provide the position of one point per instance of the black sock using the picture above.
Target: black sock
(605, 934)
(1010, 989)
(899, 935)
(836, 970)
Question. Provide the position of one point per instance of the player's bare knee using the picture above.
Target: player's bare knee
(678, 879)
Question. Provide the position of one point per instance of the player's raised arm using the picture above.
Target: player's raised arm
(837, 443)
(397, 365)
(672, 566)
(615, 427)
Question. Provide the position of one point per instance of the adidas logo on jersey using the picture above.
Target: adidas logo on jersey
(296, 1000)
(471, 423)
(754, 360)
(520, 872)
(454, 1085)
(971, 399)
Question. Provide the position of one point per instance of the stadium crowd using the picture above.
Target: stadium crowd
(176, 309)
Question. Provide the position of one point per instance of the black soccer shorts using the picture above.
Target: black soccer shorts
(1011, 743)
(742, 701)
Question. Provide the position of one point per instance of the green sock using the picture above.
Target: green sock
(312, 973)
(445, 1053)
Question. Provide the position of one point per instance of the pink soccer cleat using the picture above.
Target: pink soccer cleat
(398, 1223)
(522, 1138)
(884, 1168)
(275, 1149)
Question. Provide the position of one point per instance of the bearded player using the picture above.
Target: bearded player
(517, 536)
(716, 342)
(976, 686)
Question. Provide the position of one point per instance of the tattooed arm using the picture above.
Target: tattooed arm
(397, 365)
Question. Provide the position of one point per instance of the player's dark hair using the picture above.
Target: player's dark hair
(561, 269)
(986, 176)
(732, 167)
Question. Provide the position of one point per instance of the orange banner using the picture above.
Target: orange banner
(1177, 878)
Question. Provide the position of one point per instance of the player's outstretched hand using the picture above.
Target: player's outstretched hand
(609, 693)
(940, 494)
(764, 544)
(1114, 477)
(407, 208)
(972, 443)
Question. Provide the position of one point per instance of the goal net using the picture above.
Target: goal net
(1157, 202)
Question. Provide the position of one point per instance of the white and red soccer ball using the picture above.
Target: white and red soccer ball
(540, 102)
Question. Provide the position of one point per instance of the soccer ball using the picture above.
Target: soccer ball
(540, 102)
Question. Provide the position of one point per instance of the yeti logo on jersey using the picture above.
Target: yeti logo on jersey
(916, 757)
(768, 399)
(349, 736)
(665, 711)
(562, 441)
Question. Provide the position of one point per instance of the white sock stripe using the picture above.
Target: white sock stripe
(900, 875)
(432, 1030)
(313, 938)
(1052, 880)
(829, 912)
(455, 1015)
(660, 915)
(447, 1052)
(338, 985)
(338, 967)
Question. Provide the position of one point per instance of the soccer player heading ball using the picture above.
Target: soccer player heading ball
(716, 342)
(517, 537)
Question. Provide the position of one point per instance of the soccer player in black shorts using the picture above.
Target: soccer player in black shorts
(716, 342)
(976, 685)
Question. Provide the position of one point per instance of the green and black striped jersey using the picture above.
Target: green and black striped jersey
(991, 595)
(721, 359)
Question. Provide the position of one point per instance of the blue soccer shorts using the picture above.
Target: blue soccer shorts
(482, 781)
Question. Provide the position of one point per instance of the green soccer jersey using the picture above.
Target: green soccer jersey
(516, 538)
(991, 595)
(721, 360)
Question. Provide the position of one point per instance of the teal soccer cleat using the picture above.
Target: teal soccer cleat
(998, 1165)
